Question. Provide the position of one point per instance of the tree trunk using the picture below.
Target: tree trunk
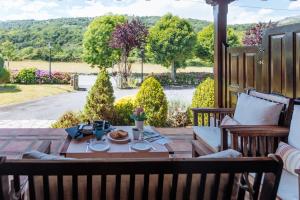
(173, 71)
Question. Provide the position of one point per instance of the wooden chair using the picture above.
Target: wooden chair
(254, 140)
(159, 178)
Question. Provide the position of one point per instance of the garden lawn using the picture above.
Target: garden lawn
(17, 93)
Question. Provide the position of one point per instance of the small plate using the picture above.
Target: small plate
(99, 146)
(141, 146)
(119, 141)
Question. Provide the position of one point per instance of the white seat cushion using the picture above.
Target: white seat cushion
(294, 135)
(255, 111)
(288, 187)
(211, 135)
(229, 153)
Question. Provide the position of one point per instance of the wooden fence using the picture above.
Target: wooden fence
(274, 67)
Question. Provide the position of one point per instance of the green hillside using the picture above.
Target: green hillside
(31, 37)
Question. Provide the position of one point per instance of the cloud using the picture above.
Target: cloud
(240, 15)
(188, 9)
(294, 5)
(197, 9)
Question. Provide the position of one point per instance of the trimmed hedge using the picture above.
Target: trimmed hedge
(4, 75)
(123, 109)
(152, 98)
(204, 96)
(67, 120)
(100, 100)
(182, 79)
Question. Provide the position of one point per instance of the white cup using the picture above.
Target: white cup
(136, 133)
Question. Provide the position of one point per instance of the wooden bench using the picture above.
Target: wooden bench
(151, 178)
(251, 140)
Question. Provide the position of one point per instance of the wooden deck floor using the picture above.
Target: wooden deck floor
(14, 142)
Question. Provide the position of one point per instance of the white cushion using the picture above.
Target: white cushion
(229, 153)
(294, 135)
(43, 156)
(255, 111)
(288, 186)
(211, 135)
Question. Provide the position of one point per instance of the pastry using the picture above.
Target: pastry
(119, 134)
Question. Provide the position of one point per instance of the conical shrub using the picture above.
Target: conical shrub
(204, 97)
(100, 100)
(152, 98)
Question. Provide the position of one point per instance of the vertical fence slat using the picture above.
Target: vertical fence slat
(131, 186)
(201, 189)
(256, 185)
(229, 188)
(103, 186)
(118, 187)
(89, 187)
(187, 189)
(60, 187)
(174, 186)
(46, 187)
(17, 184)
(146, 186)
(74, 187)
(31, 187)
(160, 184)
(215, 188)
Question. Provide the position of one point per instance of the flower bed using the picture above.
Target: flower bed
(36, 76)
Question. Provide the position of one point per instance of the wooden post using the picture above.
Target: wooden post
(220, 24)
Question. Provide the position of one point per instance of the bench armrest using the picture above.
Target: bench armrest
(256, 140)
(207, 113)
(258, 130)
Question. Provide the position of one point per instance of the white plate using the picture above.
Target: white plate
(141, 146)
(99, 146)
(120, 141)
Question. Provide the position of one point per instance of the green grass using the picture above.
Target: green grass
(17, 93)
(9, 88)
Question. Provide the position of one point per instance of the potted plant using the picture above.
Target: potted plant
(139, 116)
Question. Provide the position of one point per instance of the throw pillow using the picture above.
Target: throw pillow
(227, 120)
(290, 157)
(255, 111)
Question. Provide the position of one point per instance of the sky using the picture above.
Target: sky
(240, 11)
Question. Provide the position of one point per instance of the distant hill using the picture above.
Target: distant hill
(289, 20)
(31, 37)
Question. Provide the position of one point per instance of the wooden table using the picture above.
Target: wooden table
(78, 149)
(15, 141)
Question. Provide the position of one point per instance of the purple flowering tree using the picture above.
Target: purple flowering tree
(253, 37)
(126, 37)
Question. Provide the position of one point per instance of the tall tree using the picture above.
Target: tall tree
(171, 41)
(8, 51)
(96, 48)
(205, 42)
(126, 37)
(253, 36)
